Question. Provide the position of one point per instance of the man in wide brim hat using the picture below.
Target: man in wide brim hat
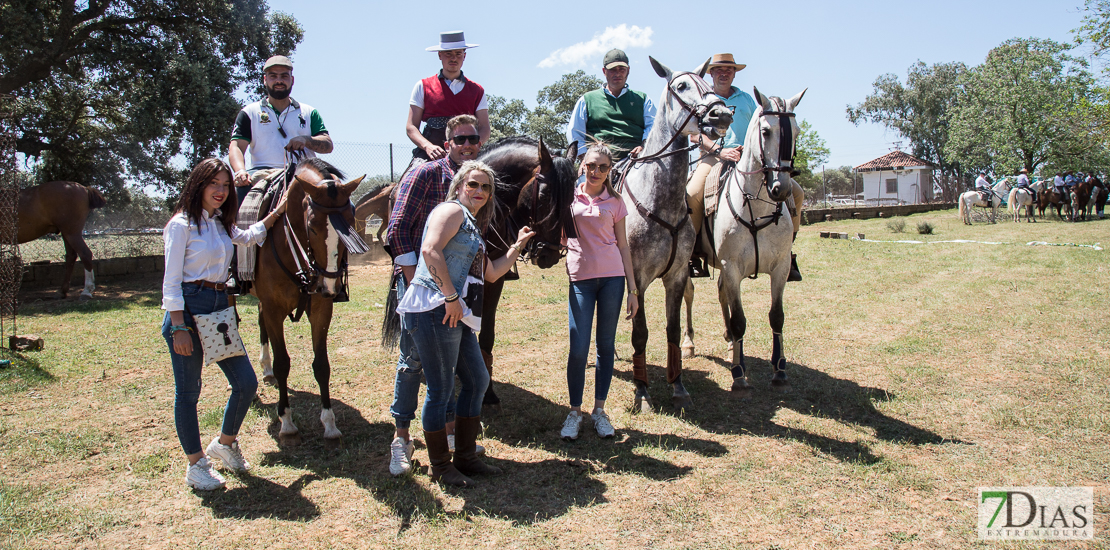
(453, 40)
(724, 60)
(438, 98)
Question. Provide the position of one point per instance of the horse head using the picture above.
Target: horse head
(698, 109)
(327, 218)
(772, 137)
(544, 204)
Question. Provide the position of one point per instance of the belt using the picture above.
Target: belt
(209, 284)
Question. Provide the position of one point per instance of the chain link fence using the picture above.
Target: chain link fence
(11, 266)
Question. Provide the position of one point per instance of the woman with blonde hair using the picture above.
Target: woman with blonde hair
(442, 310)
(599, 265)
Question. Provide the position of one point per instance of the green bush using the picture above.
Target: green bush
(925, 228)
(896, 226)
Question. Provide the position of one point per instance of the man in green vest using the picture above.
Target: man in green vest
(614, 114)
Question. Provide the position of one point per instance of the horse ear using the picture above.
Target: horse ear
(350, 186)
(572, 150)
(795, 100)
(660, 69)
(761, 99)
(545, 158)
(703, 67)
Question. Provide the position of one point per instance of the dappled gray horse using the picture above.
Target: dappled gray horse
(660, 235)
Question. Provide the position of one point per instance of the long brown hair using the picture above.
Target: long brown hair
(191, 202)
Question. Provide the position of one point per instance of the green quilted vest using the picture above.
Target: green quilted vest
(617, 121)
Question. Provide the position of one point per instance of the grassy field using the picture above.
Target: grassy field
(921, 372)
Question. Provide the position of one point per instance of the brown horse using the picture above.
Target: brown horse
(1080, 196)
(1050, 198)
(302, 268)
(61, 207)
(377, 202)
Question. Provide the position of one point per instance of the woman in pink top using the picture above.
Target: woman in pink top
(599, 265)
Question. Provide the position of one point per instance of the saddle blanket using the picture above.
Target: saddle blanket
(264, 185)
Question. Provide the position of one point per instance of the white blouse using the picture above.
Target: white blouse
(200, 253)
(419, 298)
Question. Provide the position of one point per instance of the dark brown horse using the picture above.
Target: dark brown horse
(302, 268)
(1080, 197)
(1050, 198)
(376, 202)
(61, 207)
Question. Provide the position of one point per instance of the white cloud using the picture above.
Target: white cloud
(622, 37)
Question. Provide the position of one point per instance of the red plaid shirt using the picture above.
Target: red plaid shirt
(421, 190)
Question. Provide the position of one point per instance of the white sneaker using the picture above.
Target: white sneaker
(571, 426)
(478, 449)
(230, 455)
(400, 456)
(202, 477)
(602, 425)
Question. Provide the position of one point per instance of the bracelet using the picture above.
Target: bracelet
(182, 328)
(452, 298)
(634, 292)
(516, 246)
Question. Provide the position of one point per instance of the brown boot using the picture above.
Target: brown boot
(466, 459)
(440, 457)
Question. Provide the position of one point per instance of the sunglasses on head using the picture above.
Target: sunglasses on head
(459, 140)
(471, 184)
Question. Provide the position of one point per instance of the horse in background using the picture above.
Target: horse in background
(1080, 199)
(376, 202)
(972, 199)
(1050, 198)
(304, 270)
(61, 207)
(1023, 199)
(1098, 199)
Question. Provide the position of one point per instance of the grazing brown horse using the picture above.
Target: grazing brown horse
(376, 202)
(61, 207)
(302, 268)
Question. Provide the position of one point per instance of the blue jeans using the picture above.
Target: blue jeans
(187, 369)
(446, 352)
(406, 384)
(607, 294)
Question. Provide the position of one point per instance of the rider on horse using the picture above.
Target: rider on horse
(722, 68)
(1023, 183)
(438, 98)
(983, 186)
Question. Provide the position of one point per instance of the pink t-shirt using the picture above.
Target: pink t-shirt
(594, 253)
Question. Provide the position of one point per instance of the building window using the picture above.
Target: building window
(892, 186)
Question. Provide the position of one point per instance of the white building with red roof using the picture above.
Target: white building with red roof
(897, 178)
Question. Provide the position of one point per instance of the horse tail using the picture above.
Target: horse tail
(962, 207)
(391, 321)
(96, 199)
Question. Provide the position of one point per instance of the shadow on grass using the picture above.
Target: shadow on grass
(262, 498)
(25, 371)
(145, 292)
(813, 393)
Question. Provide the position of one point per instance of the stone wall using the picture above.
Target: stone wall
(816, 215)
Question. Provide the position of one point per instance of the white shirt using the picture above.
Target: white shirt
(981, 182)
(200, 253)
(419, 298)
(455, 86)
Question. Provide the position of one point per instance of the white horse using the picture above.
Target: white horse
(1023, 199)
(973, 198)
(753, 230)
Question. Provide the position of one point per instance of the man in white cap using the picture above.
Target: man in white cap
(273, 126)
(723, 68)
(440, 97)
(614, 114)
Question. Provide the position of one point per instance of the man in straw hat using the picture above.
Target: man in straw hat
(614, 114)
(1022, 181)
(438, 98)
(723, 68)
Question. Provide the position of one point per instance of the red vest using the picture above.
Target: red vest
(440, 102)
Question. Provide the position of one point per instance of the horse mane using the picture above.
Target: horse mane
(321, 166)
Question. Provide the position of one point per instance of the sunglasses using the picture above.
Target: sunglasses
(603, 168)
(471, 184)
(459, 140)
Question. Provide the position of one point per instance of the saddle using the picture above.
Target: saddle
(714, 182)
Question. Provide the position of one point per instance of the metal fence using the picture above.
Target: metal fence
(11, 267)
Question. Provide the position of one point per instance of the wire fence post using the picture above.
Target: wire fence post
(391, 163)
(11, 266)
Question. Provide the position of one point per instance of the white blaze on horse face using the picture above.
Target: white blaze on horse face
(332, 240)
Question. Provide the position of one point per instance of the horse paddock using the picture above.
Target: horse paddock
(920, 372)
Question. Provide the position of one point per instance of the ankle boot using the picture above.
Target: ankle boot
(439, 454)
(466, 459)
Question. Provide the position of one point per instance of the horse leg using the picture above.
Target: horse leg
(735, 327)
(675, 290)
(77, 243)
(491, 296)
(320, 317)
(639, 359)
(777, 318)
(688, 339)
(288, 434)
(71, 259)
(264, 357)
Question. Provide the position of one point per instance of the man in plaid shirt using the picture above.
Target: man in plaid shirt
(420, 191)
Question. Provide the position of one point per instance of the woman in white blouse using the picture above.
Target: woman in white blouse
(199, 248)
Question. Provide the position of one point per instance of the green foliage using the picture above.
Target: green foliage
(109, 92)
(549, 119)
(919, 111)
(811, 154)
(896, 226)
(1095, 30)
(840, 181)
(1030, 104)
(925, 228)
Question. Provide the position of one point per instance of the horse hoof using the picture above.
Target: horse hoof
(682, 402)
(687, 352)
(84, 297)
(270, 380)
(643, 404)
(289, 440)
(779, 383)
(741, 387)
(333, 443)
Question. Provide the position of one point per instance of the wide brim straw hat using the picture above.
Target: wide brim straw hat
(724, 60)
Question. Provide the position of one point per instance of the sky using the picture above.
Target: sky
(359, 60)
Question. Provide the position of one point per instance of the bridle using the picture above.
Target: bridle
(535, 247)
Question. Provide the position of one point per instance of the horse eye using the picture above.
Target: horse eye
(681, 86)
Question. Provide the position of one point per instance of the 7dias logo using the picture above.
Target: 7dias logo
(1036, 513)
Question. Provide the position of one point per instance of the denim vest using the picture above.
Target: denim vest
(459, 254)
